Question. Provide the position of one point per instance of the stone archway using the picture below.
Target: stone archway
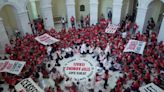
(8, 14)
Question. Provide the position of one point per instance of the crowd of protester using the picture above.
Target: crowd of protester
(138, 70)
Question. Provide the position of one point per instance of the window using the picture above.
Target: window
(82, 8)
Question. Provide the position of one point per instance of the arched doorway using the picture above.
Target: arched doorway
(10, 20)
(129, 7)
(155, 11)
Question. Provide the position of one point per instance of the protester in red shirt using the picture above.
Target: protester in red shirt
(72, 21)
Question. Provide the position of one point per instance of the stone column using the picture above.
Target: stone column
(4, 38)
(34, 10)
(141, 13)
(46, 11)
(117, 7)
(161, 31)
(70, 5)
(140, 18)
(25, 27)
(93, 11)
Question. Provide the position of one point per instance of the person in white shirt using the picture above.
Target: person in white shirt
(124, 35)
(63, 22)
(107, 64)
(49, 49)
(107, 50)
(90, 85)
(91, 49)
(68, 84)
(99, 86)
(83, 49)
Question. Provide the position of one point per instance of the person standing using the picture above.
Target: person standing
(82, 22)
(63, 22)
(72, 21)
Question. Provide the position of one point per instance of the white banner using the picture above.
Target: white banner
(135, 46)
(111, 28)
(46, 39)
(150, 88)
(28, 85)
(11, 66)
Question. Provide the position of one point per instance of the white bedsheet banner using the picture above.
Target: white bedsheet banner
(28, 85)
(11, 66)
(150, 88)
(111, 28)
(46, 39)
(135, 46)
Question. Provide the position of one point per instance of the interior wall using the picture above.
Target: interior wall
(124, 11)
(77, 8)
(104, 5)
(29, 9)
(9, 20)
(59, 8)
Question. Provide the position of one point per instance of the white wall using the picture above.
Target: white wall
(77, 7)
(9, 19)
(103, 6)
(124, 9)
(59, 8)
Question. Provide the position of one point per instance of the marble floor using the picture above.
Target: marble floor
(111, 82)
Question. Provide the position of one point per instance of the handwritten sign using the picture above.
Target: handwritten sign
(135, 46)
(28, 85)
(46, 39)
(150, 88)
(111, 28)
(11, 66)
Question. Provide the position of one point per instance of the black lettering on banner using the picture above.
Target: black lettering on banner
(28, 86)
(150, 89)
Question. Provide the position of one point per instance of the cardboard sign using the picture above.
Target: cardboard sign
(11, 66)
(46, 39)
(111, 28)
(150, 88)
(135, 46)
(28, 85)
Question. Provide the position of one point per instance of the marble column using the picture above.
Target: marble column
(117, 7)
(4, 38)
(140, 18)
(141, 14)
(34, 10)
(93, 11)
(70, 5)
(25, 27)
(46, 13)
(161, 31)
